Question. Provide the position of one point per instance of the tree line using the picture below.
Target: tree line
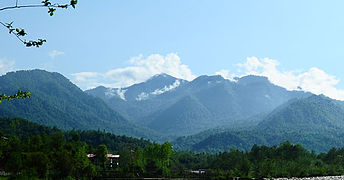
(53, 157)
(28, 150)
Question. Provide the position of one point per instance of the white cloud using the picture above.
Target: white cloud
(165, 89)
(140, 70)
(55, 53)
(121, 93)
(145, 95)
(110, 92)
(314, 80)
(225, 74)
(84, 76)
(113, 92)
(6, 66)
(86, 79)
(142, 96)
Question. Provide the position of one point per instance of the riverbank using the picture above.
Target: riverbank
(312, 178)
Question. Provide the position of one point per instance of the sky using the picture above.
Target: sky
(296, 44)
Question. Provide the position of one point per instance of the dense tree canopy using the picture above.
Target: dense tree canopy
(41, 152)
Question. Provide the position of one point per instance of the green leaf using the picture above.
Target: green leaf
(73, 3)
(21, 32)
(51, 11)
(46, 3)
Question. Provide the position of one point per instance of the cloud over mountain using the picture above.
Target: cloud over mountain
(140, 70)
(314, 80)
(55, 53)
(6, 66)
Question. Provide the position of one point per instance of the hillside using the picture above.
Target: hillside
(25, 129)
(55, 101)
(184, 108)
(192, 117)
(315, 122)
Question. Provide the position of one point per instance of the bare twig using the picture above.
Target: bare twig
(29, 6)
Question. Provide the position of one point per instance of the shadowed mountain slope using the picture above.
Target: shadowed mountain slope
(315, 122)
(55, 101)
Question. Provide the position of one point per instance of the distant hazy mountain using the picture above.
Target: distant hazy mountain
(178, 107)
(55, 101)
(316, 122)
(139, 100)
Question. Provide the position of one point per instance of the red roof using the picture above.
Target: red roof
(112, 155)
(91, 155)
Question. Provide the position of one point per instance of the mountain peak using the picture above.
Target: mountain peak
(249, 79)
(162, 76)
(205, 78)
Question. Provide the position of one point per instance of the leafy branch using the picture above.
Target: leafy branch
(20, 33)
(19, 94)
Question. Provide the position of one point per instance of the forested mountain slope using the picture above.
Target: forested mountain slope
(315, 122)
(24, 129)
(55, 101)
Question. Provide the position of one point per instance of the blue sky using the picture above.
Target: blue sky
(117, 43)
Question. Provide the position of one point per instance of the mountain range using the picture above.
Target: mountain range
(316, 122)
(185, 108)
(207, 114)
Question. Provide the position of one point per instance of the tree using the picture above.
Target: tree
(157, 159)
(20, 32)
(101, 154)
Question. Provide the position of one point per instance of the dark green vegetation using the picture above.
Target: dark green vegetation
(24, 129)
(55, 101)
(315, 122)
(29, 150)
(191, 107)
(55, 154)
(285, 160)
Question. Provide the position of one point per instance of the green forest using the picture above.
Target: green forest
(32, 151)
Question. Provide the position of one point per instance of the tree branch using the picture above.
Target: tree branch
(18, 32)
(19, 94)
(24, 6)
(13, 32)
(33, 6)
